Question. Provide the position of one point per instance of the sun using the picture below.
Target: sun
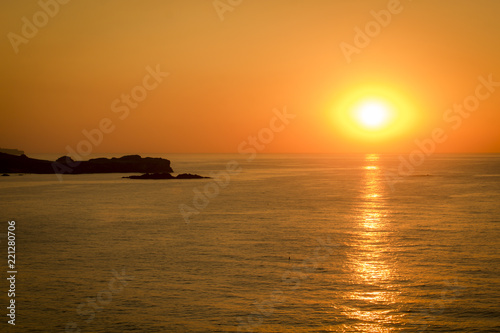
(372, 114)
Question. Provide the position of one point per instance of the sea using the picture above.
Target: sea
(278, 243)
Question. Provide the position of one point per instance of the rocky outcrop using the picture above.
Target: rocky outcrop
(126, 164)
(23, 164)
(162, 175)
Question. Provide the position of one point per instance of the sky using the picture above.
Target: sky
(204, 76)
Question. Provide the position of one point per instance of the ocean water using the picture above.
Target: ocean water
(285, 243)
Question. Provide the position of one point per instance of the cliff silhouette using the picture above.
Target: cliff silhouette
(125, 164)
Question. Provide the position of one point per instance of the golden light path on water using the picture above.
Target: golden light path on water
(373, 299)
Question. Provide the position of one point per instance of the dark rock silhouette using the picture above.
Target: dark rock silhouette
(189, 176)
(163, 175)
(126, 164)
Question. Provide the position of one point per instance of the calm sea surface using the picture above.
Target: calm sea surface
(291, 243)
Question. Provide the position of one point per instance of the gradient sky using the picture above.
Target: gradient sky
(226, 76)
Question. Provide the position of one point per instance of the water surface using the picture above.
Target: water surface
(293, 243)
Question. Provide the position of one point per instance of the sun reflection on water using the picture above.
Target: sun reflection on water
(372, 300)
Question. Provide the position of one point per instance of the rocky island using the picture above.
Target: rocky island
(152, 168)
(163, 175)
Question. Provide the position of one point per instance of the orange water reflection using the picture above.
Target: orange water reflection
(371, 303)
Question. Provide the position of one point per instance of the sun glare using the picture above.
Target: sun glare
(372, 114)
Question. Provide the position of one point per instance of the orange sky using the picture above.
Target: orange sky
(226, 76)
